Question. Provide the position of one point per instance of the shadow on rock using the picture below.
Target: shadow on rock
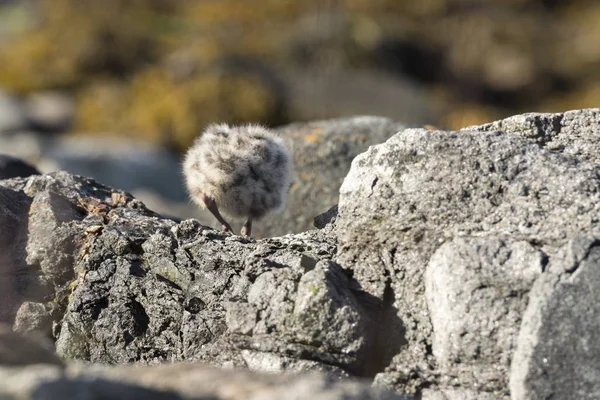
(98, 389)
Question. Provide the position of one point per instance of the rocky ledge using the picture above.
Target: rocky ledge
(457, 265)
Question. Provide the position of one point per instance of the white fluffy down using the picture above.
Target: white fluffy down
(245, 169)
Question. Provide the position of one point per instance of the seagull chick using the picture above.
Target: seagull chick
(242, 171)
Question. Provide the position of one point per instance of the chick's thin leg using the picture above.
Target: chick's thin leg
(211, 205)
(247, 228)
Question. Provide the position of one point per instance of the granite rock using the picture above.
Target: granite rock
(558, 345)
(453, 229)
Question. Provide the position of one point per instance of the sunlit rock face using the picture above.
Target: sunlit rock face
(457, 265)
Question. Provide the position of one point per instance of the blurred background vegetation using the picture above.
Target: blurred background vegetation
(160, 70)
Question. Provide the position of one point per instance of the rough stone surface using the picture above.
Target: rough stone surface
(34, 317)
(328, 217)
(573, 132)
(155, 291)
(51, 240)
(125, 285)
(42, 239)
(459, 394)
(558, 349)
(457, 266)
(477, 288)
(403, 199)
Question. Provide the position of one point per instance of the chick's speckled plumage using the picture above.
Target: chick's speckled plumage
(245, 170)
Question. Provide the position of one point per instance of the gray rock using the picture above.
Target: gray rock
(477, 288)
(127, 286)
(573, 132)
(328, 217)
(79, 190)
(455, 263)
(459, 394)
(404, 199)
(157, 291)
(12, 167)
(34, 317)
(178, 381)
(51, 240)
(40, 244)
(558, 349)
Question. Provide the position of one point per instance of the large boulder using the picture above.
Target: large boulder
(455, 228)
(477, 288)
(119, 284)
(40, 242)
